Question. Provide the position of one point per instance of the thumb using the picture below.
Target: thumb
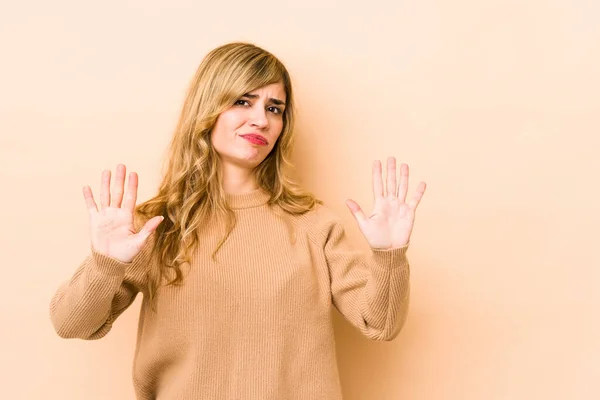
(149, 227)
(356, 211)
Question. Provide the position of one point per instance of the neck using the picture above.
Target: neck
(237, 179)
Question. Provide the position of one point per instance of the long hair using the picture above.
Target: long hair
(191, 190)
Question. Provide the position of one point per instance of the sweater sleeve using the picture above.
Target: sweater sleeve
(100, 290)
(371, 292)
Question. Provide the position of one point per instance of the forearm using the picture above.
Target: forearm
(84, 306)
(386, 293)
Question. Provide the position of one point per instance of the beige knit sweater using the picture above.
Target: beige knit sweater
(256, 325)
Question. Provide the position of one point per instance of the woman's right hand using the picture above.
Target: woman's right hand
(111, 228)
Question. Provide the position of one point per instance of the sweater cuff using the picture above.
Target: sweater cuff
(390, 258)
(107, 265)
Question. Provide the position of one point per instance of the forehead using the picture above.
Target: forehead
(274, 91)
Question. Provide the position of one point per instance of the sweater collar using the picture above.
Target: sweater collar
(254, 198)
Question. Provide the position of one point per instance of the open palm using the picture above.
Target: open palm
(391, 222)
(112, 230)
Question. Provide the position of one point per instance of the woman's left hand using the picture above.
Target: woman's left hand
(391, 222)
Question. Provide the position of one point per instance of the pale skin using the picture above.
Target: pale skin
(112, 233)
(390, 223)
(111, 226)
(259, 112)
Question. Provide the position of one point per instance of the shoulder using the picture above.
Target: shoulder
(318, 222)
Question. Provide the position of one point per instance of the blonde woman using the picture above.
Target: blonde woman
(239, 268)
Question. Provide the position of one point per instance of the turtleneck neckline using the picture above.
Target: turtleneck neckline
(253, 198)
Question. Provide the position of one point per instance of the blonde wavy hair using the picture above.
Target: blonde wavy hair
(191, 190)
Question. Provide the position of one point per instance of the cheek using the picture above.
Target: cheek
(277, 127)
(220, 139)
(229, 121)
(225, 128)
(275, 141)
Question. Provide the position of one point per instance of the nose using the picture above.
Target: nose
(258, 118)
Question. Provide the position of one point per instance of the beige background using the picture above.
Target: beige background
(494, 103)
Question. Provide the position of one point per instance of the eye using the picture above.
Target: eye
(275, 110)
(242, 102)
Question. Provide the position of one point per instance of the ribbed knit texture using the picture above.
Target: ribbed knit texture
(255, 325)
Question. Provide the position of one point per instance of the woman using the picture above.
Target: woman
(238, 267)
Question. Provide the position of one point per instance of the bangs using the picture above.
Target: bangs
(264, 71)
(256, 72)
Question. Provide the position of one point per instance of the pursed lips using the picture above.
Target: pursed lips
(256, 137)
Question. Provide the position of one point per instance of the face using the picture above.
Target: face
(246, 132)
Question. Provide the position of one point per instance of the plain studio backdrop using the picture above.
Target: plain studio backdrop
(495, 104)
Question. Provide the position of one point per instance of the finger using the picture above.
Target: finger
(403, 186)
(377, 179)
(391, 177)
(356, 211)
(414, 202)
(131, 194)
(117, 193)
(105, 189)
(89, 199)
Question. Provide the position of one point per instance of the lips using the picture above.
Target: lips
(255, 139)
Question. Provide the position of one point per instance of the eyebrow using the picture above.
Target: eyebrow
(272, 99)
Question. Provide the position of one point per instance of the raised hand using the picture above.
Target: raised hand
(111, 227)
(390, 224)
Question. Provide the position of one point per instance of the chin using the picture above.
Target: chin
(250, 162)
(247, 159)
(255, 157)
